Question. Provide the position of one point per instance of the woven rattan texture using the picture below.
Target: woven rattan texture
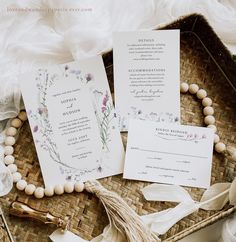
(88, 215)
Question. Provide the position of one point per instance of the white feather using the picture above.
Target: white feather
(162, 221)
(168, 193)
(215, 197)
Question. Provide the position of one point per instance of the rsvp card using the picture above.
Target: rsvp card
(146, 76)
(73, 122)
(169, 153)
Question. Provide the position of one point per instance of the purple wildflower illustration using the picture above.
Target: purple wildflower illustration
(89, 77)
(103, 109)
(68, 71)
(194, 137)
(106, 109)
(36, 128)
(176, 119)
(99, 168)
(43, 129)
(189, 137)
(42, 125)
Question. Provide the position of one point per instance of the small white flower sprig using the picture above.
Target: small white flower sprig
(209, 119)
(21, 184)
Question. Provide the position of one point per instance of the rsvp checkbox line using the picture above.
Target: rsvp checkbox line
(168, 153)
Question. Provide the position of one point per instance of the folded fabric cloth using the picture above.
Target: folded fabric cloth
(5, 177)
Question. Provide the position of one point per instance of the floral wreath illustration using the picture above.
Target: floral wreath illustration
(138, 113)
(104, 115)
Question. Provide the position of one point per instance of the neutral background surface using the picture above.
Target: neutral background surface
(31, 38)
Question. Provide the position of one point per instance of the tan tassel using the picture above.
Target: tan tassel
(232, 153)
(121, 215)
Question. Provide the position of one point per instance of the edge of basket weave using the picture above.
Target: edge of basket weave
(202, 224)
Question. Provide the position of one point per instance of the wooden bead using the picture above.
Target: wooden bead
(59, 189)
(201, 94)
(39, 192)
(29, 189)
(206, 102)
(209, 119)
(69, 187)
(22, 116)
(79, 186)
(16, 177)
(12, 168)
(9, 141)
(220, 147)
(216, 138)
(184, 87)
(212, 126)
(49, 191)
(16, 123)
(8, 150)
(11, 131)
(208, 111)
(193, 88)
(9, 159)
(21, 185)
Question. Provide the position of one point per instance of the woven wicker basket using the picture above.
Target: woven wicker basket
(205, 61)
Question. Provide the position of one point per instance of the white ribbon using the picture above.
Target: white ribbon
(161, 222)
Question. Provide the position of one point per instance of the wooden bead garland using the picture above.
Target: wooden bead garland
(209, 119)
(69, 187)
(21, 184)
(49, 191)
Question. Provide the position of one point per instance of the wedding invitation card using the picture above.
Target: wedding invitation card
(146, 76)
(73, 122)
(169, 153)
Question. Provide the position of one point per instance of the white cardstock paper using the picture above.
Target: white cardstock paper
(147, 76)
(169, 153)
(73, 122)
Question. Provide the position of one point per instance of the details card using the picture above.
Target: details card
(73, 122)
(169, 153)
(147, 76)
